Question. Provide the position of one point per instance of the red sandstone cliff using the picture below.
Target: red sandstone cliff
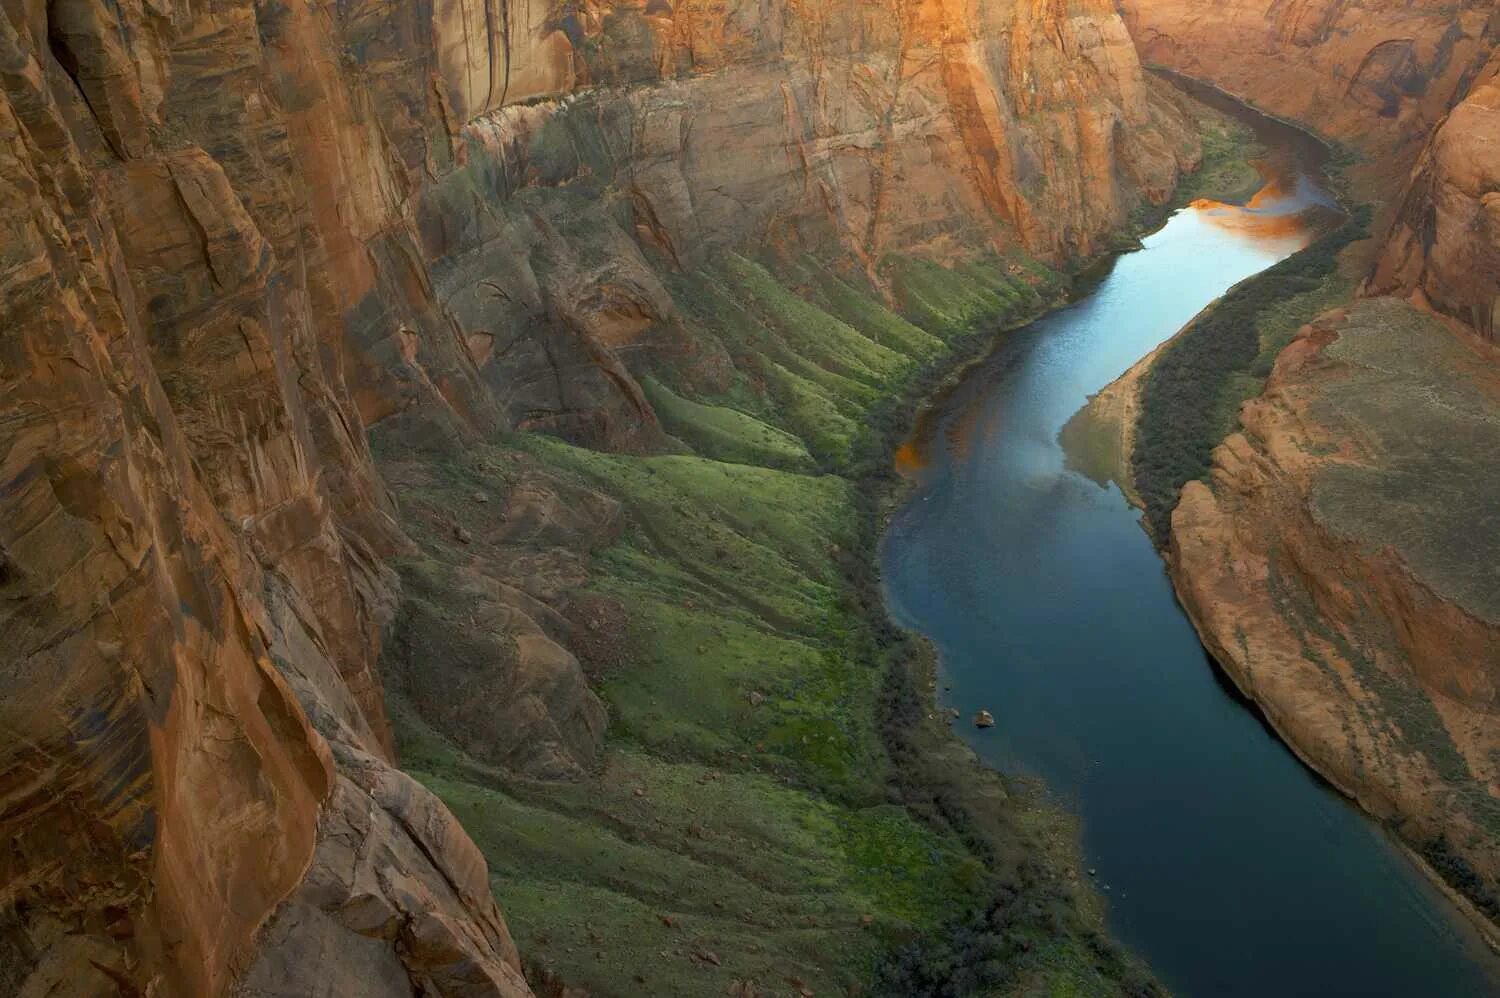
(233, 236)
(1375, 74)
(1339, 560)
(1444, 242)
(1340, 564)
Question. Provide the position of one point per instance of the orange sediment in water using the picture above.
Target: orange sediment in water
(914, 455)
(1280, 210)
(1258, 224)
(910, 458)
(1275, 211)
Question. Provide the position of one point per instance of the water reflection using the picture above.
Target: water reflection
(1230, 867)
(1288, 206)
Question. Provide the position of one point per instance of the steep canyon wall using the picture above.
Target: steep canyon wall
(234, 236)
(1378, 75)
(1338, 559)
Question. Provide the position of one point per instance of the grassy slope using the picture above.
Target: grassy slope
(725, 433)
(775, 805)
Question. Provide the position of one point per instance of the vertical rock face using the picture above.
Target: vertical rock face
(235, 235)
(160, 777)
(192, 530)
(1444, 244)
(823, 107)
(1336, 560)
(1374, 73)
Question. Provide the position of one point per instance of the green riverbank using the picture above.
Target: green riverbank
(779, 809)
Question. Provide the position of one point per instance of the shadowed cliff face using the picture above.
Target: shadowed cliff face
(1443, 246)
(235, 235)
(1378, 75)
(1335, 558)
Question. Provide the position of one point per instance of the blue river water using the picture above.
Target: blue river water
(1229, 866)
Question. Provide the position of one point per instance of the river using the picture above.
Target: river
(1228, 865)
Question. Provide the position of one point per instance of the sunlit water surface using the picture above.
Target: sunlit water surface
(1229, 866)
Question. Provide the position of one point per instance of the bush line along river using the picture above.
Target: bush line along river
(1228, 865)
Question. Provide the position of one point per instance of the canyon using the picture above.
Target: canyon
(247, 247)
(1335, 565)
(401, 402)
(1049, 602)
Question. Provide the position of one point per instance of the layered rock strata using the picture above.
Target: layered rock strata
(1335, 560)
(1443, 247)
(234, 236)
(1377, 75)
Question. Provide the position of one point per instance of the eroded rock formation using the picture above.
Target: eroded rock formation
(1444, 244)
(1340, 565)
(1375, 74)
(233, 236)
(1337, 560)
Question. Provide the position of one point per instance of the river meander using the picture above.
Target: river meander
(1230, 867)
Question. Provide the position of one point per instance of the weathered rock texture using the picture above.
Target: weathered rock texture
(1444, 243)
(1338, 560)
(190, 555)
(233, 236)
(1341, 565)
(1375, 73)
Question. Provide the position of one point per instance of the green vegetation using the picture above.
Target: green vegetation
(729, 580)
(837, 297)
(1190, 399)
(775, 805)
(828, 342)
(1227, 171)
(1455, 870)
(724, 433)
(950, 302)
(732, 830)
(828, 362)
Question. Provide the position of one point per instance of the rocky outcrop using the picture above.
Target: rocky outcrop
(1332, 561)
(233, 236)
(1444, 243)
(396, 899)
(138, 671)
(1339, 563)
(481, 649)
(193, 534)
(1376, 74)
